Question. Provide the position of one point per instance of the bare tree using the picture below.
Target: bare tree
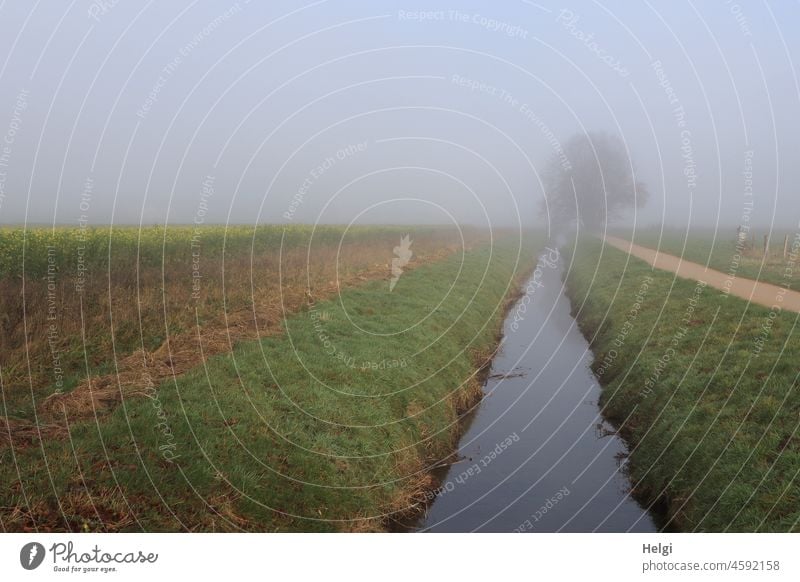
(591, 183)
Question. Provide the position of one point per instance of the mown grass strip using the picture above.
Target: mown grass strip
(328, 427)
(704, 386)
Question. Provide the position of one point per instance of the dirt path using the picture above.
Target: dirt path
(754, 291)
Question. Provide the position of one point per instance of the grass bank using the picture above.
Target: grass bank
(328, 426)
(703, 386)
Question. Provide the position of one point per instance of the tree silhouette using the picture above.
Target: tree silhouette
(591, 183)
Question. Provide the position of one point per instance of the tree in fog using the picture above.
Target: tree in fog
(590, 183)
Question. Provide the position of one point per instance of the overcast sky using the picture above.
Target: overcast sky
(385, 111)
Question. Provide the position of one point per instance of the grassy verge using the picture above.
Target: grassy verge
(329, 426)
(705, 388)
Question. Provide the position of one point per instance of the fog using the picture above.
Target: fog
(390, 112)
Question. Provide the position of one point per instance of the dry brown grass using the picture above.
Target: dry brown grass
(146, 324)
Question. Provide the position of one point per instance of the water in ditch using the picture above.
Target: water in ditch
(536, 455)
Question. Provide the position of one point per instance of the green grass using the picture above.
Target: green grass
(714, 426)
(722, 253)
(304, 431)
(93, 296)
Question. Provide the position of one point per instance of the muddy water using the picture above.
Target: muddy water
(537, 455)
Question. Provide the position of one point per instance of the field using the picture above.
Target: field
(244, 401)
(725, 251)
(703, 386)
(80, 303)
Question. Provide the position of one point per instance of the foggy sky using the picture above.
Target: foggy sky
(399, 112)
